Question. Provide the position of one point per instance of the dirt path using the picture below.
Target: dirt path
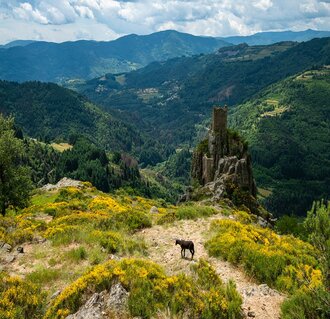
(259, 301)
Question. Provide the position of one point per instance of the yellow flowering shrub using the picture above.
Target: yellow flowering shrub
(57, 209)
(16, 230)
(281, 261)
(151, 290)
(115, 242)
(19, 298)
(106, 203)
(244, 217)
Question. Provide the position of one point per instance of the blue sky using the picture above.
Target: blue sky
(64, 20)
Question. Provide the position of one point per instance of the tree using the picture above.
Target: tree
(317, 224)
(15, 182)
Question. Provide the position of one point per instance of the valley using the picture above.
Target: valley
(110, 151)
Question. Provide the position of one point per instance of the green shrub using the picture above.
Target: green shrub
(286, 225)
(185, 212)
(311, 304)
(118, 242)
(194, 212)
(77, 254)
(129, 220)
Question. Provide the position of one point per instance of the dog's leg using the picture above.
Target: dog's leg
(192, 253)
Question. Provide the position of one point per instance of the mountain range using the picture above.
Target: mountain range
(164, 106)
(262, 38)
(25, 60)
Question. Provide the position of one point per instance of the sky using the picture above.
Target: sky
(70, 20)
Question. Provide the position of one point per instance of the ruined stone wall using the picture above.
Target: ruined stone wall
(208, 170)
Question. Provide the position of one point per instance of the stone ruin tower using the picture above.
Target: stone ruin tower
(222, 158)
(217, 142)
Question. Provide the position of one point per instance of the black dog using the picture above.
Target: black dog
(186, 244)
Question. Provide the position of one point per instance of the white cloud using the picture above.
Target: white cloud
(202, 17)
(84, 12)
(25, 11)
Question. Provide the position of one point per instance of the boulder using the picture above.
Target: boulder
(55, 294)
(99, 305)
(118, 298)
(9, 259)
(7, 248)
(154, 210)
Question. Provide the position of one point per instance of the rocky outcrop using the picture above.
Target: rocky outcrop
(222, 159)
(104, 304)
(236, 171)
(64, 182)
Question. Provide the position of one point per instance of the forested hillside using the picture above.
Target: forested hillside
(288, 126)
(58, 62)
(170, 98)
(164, 106)
(49, 113)
(273, 37)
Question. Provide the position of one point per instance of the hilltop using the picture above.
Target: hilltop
(78, 244)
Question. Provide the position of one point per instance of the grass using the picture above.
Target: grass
(85, 228)
(43, 198)
(76, 254)
(61, 147)
(42, 275)
(185, 212)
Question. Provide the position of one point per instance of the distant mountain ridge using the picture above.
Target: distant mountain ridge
(25, 60)
(17, 43)
(56, 62)
(264, 38)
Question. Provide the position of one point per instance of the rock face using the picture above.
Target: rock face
(100, 305)
(64, 182)
(222, 159)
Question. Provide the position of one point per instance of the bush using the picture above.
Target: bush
(20, 298)
(311, 304)
(151, 290)
(185, 212)
(284, 262)
(291, 225)
(117, 242)
(129, 220)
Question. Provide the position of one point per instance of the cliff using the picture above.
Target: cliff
(221, 164)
